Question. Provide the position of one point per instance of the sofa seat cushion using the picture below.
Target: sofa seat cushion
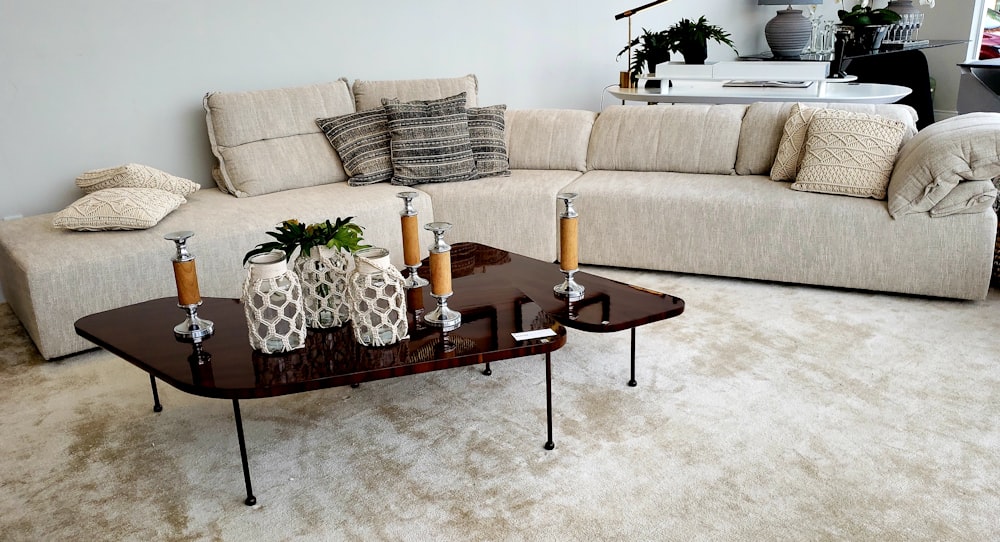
(752, 227)
(268, 141)
(516, 213)
(686, 138)
(225, 228)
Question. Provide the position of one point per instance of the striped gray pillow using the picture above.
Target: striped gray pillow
(362, 141)
(430, 141)
(486, 127)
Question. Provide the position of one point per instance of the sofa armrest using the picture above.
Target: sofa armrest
(931, 164)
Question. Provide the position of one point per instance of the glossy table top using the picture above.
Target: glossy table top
(497, 292)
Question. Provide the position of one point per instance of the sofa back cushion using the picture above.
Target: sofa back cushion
(267, 140)
(683, 138)
(369, 94)
(548, 138)
(764, 122)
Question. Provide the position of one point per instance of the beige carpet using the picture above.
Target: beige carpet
(765, 412)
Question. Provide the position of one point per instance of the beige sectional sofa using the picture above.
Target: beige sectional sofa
(678, 188)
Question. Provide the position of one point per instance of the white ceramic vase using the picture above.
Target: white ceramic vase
(272, 302)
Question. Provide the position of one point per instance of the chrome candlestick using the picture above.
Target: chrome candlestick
(568, 250)
(441, 316)
(193, 328)
(411, 241)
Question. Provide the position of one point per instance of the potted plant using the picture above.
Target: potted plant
(655, 49)
(868, 26)
(690, 38)
(292, 234)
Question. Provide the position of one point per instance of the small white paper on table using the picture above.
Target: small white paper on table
(533, 334)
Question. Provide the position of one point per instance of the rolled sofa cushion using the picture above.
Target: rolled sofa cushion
(849, 154)
(430, 141)
(683, 138)
(134, 176)
(268, 141)
(362, 141)
(369, 94)
(961, 148)
(967, 198)
(118, 209)
(764, 124)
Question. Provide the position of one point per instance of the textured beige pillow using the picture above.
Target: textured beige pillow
(792, 145)
(850, 155)
(134, 176)
(118, 209)
(961, 148)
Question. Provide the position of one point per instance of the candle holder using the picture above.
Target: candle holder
(411, 241)
(193, 328)
(441, 316)
(568, 250)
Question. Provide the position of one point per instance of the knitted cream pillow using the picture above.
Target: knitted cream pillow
(118, 209)
(849, 154)
(792, 145)
(134, 176)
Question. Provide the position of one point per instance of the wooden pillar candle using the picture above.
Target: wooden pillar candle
(440, 260)
(411, 240)
(569, 250)
(192, 328)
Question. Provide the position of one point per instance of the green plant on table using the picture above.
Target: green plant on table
(864, 15)
(292, 234)
(655, 48)
(687, 34)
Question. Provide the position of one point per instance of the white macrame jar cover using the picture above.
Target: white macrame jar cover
(272, 301)
(323, 274)
(377, 299)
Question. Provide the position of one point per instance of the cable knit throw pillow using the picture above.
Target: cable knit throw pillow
(792, 145)
(118, 209)
(430, 141)
(486, 131)
(134, 176)
(849, 154)
(362, 141)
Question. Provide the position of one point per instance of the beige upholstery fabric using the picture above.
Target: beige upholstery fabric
(849, 154)
(225, 228)
(686, 138)
(749, 226)
(118, 209)
(548, 138)
(961, 148)
(516, 213)
(267, 140)
(369, 94)
(134, 176)
(764, 121)
(966, 198)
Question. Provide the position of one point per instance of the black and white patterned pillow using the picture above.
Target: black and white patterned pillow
(430, 141)
(486, 128)
(362, 141)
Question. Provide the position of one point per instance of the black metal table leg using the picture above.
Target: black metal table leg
(487, 371)
(632, 381)
(548, 398)
(251, 500)
(157, 407)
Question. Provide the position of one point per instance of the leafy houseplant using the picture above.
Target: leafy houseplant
(292, 234)
(690, 38)
(868, 26)
(655, 50)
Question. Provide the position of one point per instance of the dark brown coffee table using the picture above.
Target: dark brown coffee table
(497, 292)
